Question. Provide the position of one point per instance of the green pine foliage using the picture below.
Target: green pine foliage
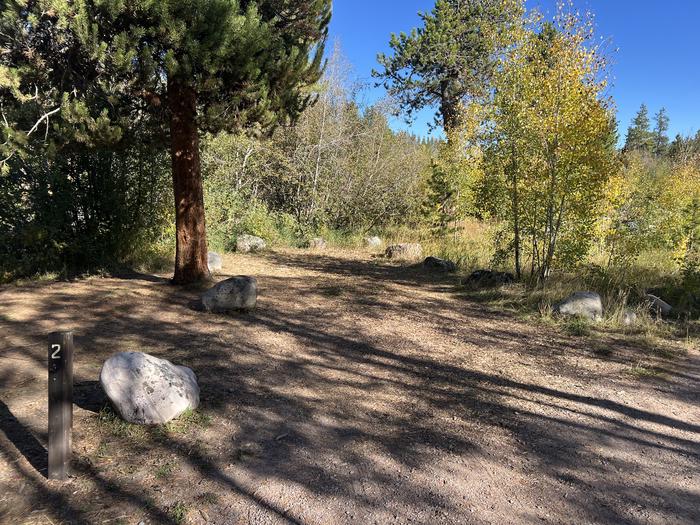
(451, 58)
(100, 77)
(660, 136)
(639, 136)
(106, 63)
(439, 207)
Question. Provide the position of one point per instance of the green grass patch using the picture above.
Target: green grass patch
(178, 512)
(166, 470)
(187, 421)
(577, 326)
(643, 372)
(109, 421)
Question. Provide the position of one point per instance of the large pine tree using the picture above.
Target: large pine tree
(450, 58)
(94, 71)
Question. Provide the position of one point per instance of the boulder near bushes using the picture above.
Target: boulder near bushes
(629, 317)
(439, 265)
(582, 304)
(148, 390)
(317, 243)
(249, 243)
(405, 251)
(238, 293)
(214, 261)
(373, 242)
(485, 278)
(658, 306)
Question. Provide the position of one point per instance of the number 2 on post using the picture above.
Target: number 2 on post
(56, 349)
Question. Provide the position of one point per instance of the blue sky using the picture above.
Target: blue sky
(657, 59)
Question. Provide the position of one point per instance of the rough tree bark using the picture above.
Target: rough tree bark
(191, 240)
(448, 110)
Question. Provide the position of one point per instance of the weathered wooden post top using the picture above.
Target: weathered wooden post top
(60, 403)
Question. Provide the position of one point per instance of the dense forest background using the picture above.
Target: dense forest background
(529, 177)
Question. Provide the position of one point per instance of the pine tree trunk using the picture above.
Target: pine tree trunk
(191, 240)
(449, 115)
(449, 106)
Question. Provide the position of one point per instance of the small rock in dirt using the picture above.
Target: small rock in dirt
(440, 265)
(235, 293)
(214, 262)
(583, 304)
(249, 243)
(629, 317)
(147, 390)
(658, 306)
(404, 251)
(486, 278)
(317, 243)
(373, 242)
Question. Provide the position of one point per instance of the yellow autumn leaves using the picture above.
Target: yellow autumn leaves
(554, 141)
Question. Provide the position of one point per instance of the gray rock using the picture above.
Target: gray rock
(658, 305)
(629, 317)
(147, 390)
(404, 251)
(373, 242)
(440, 265)
(583, 304)
(487, 278)
(234, 293)
(249, 243)
(317, 243)
(214, 261)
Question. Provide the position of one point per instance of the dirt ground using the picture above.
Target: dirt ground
(358, 392)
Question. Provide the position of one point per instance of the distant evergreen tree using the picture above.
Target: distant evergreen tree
(639, 137)
(684, 147)
(660, 133)
(677, 146)
(439, 206)
(101, 69)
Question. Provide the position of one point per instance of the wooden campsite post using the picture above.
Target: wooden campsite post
(60, 403)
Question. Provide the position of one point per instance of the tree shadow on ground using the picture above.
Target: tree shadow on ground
(24, 440)
(369, 397)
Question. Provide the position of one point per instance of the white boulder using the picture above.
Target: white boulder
(249, 243)
(317, 243)
(405, 251)
(235, 293)
(583, 304)
(214, 262)
(147, 390)
(373, 242)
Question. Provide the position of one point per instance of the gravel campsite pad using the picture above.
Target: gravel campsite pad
(358, 391)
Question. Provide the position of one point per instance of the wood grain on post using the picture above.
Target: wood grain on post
(60, 403)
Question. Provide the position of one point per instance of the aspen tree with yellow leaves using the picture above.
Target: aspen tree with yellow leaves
(554, 142)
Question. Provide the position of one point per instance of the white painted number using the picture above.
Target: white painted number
(56, 349)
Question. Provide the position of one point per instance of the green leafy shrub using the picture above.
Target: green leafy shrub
(83, 210)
